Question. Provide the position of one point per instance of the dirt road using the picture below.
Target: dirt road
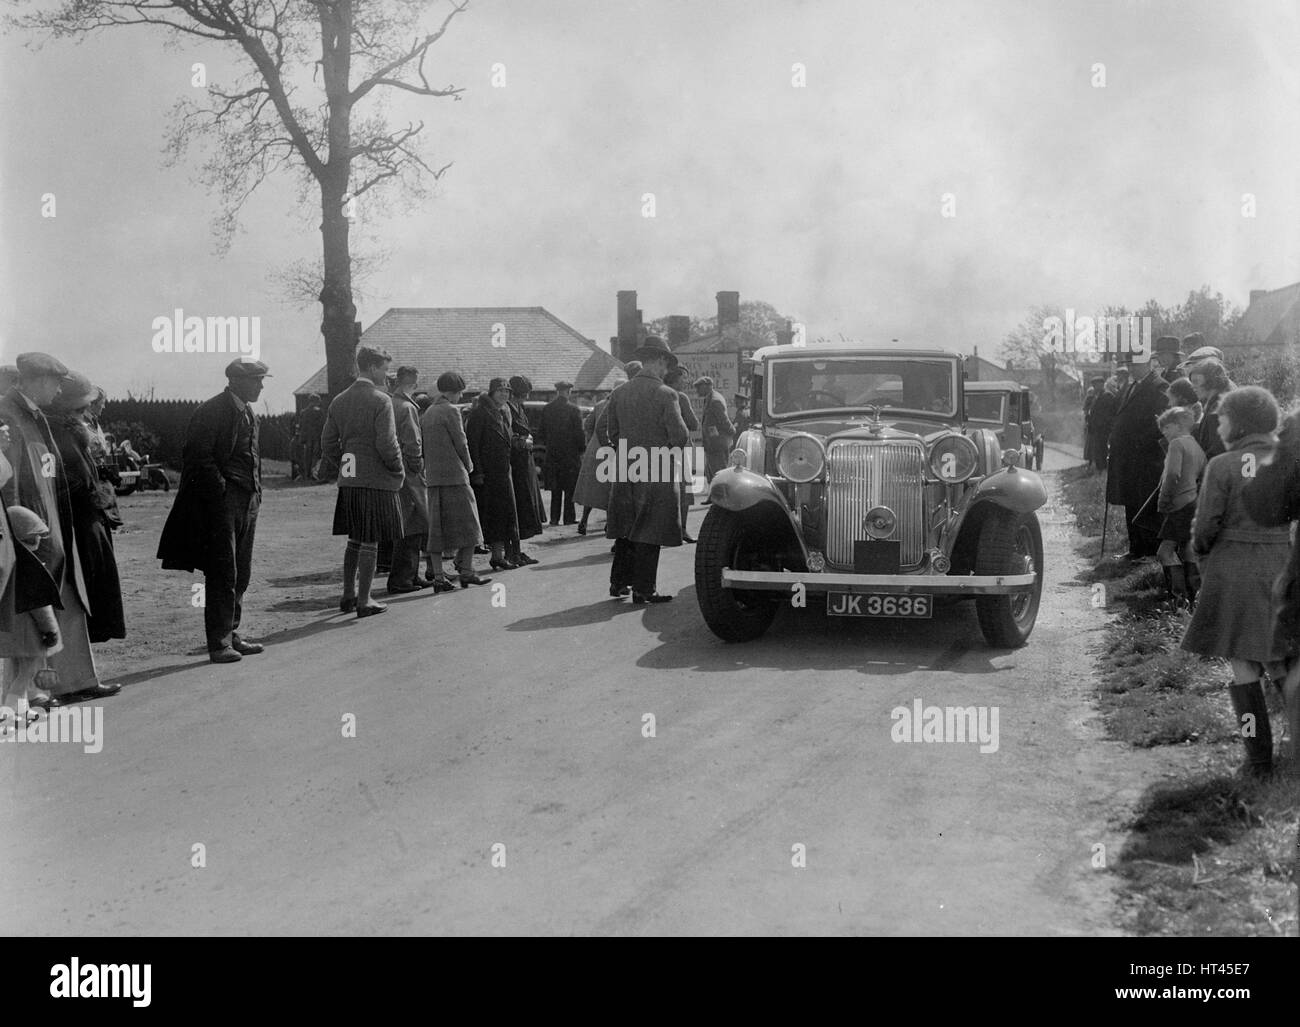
(516, 734)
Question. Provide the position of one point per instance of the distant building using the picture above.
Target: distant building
(1272, 318)
(482, 343)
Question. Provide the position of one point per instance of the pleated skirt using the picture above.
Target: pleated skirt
(368, 515)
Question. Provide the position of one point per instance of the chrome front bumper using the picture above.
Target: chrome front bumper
(884, 584)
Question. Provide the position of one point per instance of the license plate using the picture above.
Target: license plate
(857, 604)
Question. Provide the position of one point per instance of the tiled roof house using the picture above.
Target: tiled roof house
(528, 340)
(1273, 317)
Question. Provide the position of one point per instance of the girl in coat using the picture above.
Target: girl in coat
(1239, 561)
(1272, 498)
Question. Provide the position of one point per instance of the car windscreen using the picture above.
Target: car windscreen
(858, 383)
(985, 406)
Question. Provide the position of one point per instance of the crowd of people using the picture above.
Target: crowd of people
(416, 479)
(59, 587)
(1210, 488)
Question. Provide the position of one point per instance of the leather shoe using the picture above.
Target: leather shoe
(641, 598)
(224, 655)
(397, 590)
(443, 586)
(348, 605)
(245, 648)
(96, 691)
(689, 540)
(620, 591)
(472, 579)
(372, 610)
(524, 560)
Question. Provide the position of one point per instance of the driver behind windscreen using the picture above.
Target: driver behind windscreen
(794, 389)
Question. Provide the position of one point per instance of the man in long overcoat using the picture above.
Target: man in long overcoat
(213, 522)
(560, 430)
(718, 432)
(645, 421)
(403, 574)
(1098, 423)
(1135, 457)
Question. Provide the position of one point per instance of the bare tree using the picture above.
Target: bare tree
(268, 121)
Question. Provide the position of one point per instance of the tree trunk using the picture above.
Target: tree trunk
(339, 313)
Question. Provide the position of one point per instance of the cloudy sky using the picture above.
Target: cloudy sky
(824, 200)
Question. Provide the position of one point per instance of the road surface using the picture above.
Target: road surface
(771, 797)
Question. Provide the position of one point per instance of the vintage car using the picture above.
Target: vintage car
(1005, 407)
(861, 480)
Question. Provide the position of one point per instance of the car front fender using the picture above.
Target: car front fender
(737, 489)
(1013, 488)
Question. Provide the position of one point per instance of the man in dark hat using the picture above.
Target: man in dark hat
(644, 420)
(559, 429)
(1136, 459)
(214, 519)
(40, 484)
(523, 472)
(1168, 355)
(1098, 422)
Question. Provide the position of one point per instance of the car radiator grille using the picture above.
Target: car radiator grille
(861, 475)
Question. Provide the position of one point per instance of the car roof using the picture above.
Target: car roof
(843, 350)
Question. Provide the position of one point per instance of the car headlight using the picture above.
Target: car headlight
(953, 459)
(800, 459)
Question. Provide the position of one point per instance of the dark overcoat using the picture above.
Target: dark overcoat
(560, 428)
(523, 470)
(1272, 498)
(1136, 459)
(644, 416)
(198, 516)
(1206, 432)
(25, 585)
(92, 501)
(1100, 420)
(40, 483)
(488, 434)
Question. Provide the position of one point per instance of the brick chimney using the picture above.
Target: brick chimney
(785, 336)
(679, 330)
(729, 319)
(628, 320)
(1257, 293)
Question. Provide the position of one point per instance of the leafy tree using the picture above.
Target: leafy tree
(308, 100)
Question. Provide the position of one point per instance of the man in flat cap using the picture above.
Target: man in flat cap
(523, 472)
(404, 563)
(1135, 458)
(559, 429)
(214, 519)
(644, 516)
(40, 484)
(715, 426)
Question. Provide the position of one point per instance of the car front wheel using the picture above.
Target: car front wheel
(726, 541)
(1009, 543)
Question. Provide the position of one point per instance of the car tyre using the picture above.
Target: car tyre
(1009, 543)
(732, 616)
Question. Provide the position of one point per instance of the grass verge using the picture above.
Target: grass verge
(1214, 854)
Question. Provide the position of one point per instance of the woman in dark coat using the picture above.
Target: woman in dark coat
(94, 509)
(1272, 498)
(1211, 382)
(487, 431)
(1239, 561)
(528, 493)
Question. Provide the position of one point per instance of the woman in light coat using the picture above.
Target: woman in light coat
(453, 517)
